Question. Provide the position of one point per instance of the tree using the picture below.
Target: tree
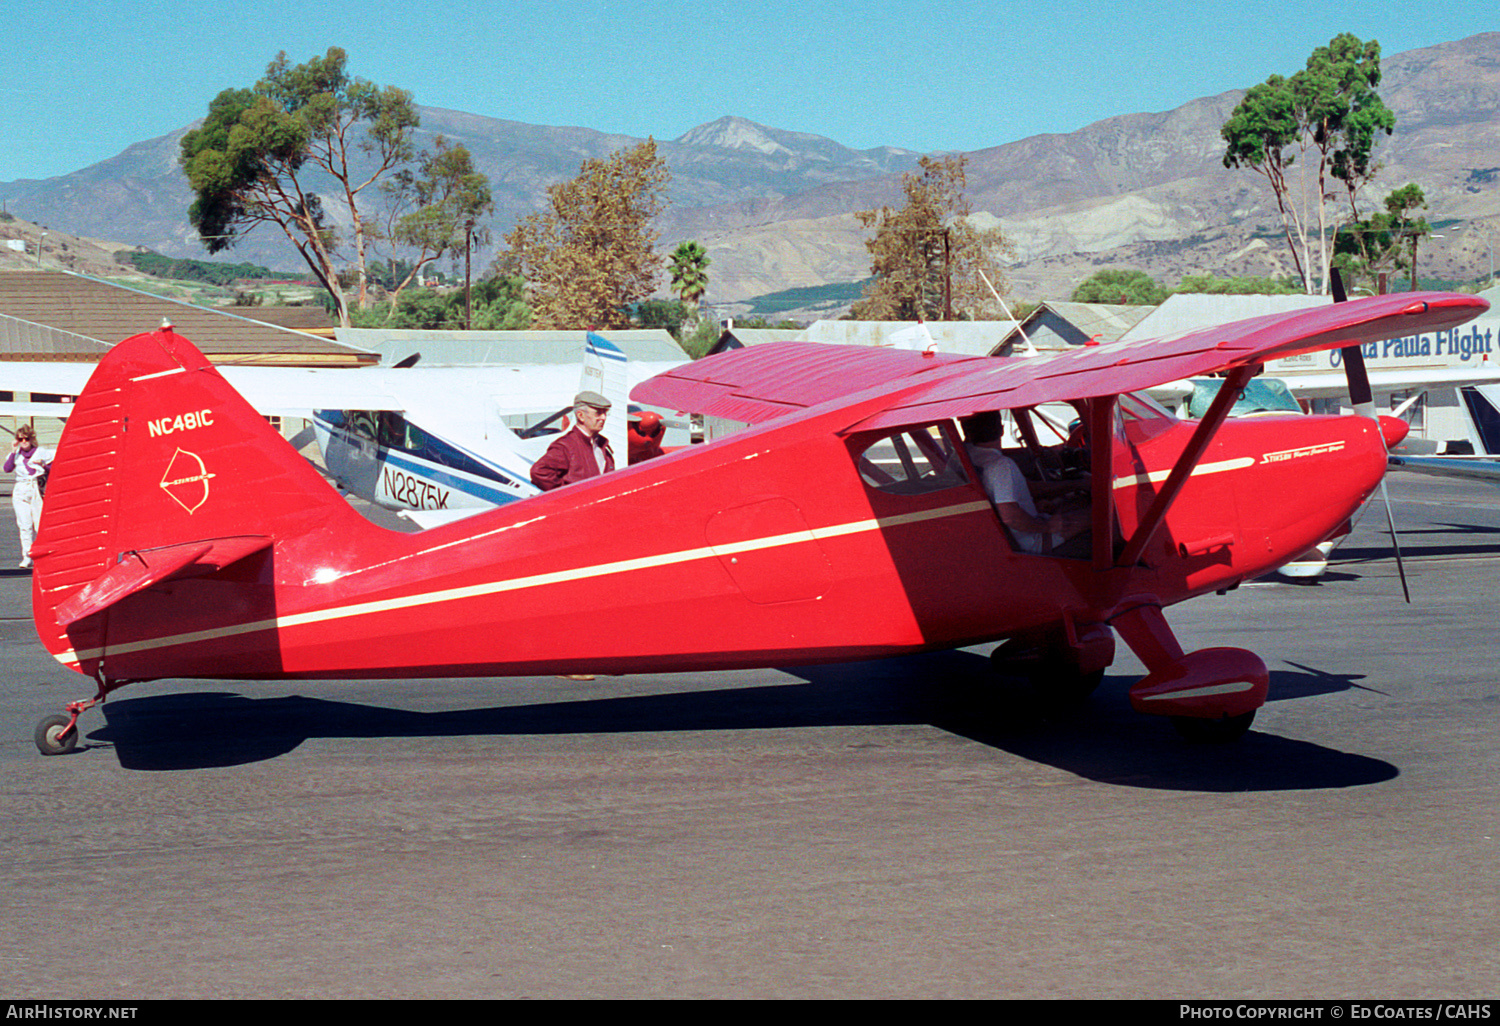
(689, 265)
(926, 258)
(1207, 284)
(1121, 288)
(1365, 249)
(498, 305)
(590, 255)
(701, 339)
(1400, 207)
(1330, 113)
(662, 313)
(259, 156)
(451, 199)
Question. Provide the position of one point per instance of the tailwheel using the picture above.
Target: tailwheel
(57, 734)
(1215, 732)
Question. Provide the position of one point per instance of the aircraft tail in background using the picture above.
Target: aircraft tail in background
(606, 371)
(1483, 405)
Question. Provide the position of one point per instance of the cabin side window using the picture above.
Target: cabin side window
(911, 462)
(359, 423)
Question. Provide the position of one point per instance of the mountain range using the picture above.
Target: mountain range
(775, 208)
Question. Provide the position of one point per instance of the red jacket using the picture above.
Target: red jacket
(570, 458)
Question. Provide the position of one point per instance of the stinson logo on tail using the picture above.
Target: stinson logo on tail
(186, 480)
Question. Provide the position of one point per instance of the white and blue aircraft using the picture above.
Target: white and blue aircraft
(1482, 405)
(457, 445)
(435, 443)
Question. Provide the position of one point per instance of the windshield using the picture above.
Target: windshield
(1260, 395)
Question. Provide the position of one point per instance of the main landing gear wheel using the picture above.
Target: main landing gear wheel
(1057, 678)
(1214, 732)
(1075, 685)
(56, 735)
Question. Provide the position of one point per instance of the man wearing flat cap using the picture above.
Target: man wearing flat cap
(578, 454)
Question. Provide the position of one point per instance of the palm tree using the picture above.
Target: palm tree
(690, 273)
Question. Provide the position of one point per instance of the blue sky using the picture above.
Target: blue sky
(84, 79)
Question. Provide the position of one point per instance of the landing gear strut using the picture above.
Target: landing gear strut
(58, 734)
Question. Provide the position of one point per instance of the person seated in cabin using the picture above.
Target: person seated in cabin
(1015, 498)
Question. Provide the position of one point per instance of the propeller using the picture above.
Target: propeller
(1363, 400)
(302, 439)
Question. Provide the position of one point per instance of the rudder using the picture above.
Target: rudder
(162, 469)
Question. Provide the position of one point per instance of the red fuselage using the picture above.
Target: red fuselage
(763, 549)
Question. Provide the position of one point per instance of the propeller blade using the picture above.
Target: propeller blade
(1390, 520)
(1363, 401)
(1360, 395)
(302, 439)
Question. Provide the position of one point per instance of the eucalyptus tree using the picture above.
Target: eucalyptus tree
(1308, 134)
(1387, 240)
(450, 198)
(266, 155)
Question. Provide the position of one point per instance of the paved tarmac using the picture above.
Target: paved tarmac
(905, 828)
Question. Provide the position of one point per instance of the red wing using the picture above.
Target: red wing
(767, 381)
(1131, 366)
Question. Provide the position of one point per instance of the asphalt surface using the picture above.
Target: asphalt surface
(906, 828)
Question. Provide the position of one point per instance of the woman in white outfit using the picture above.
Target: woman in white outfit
(29, 462)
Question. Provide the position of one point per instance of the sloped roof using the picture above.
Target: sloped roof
(105, 312)
(313, 319)
(1056, 325)
(480, 348)
(738, 338)
(760, 336)
(23, 340)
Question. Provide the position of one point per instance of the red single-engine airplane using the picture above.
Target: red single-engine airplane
(183, 538)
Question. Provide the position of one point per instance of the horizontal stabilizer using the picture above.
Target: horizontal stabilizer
(141, 569)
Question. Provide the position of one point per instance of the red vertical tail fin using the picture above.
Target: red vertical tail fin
(163, 470)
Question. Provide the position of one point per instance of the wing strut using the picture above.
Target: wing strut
(1183, 468)
(1101, 473)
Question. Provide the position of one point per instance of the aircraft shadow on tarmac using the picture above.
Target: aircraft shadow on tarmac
(1473, 540)
(1326, 577)
(1100, 738)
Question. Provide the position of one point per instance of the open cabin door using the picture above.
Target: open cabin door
(960, 571)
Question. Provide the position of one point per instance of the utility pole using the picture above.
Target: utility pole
(947, 274)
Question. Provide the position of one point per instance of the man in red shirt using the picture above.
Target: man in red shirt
(578, 454)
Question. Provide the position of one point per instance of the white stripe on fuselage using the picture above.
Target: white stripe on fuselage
(520, 583)
(1158, 476)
